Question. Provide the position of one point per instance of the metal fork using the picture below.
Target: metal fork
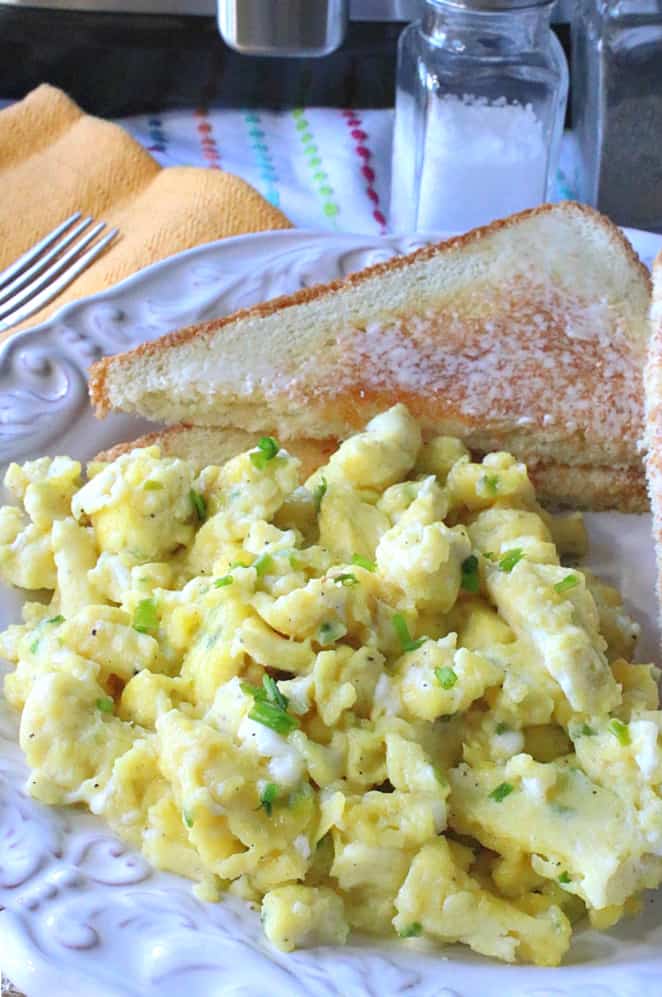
(37, 276)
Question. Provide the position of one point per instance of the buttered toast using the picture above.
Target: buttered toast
(528, 335)
(577, 487)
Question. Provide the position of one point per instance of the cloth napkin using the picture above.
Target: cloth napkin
(55, 160)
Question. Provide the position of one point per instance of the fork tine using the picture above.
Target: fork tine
(31, 254)
(45, 278)
(65, 278)
(42, 262)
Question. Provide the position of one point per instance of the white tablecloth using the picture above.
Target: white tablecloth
(325, 168)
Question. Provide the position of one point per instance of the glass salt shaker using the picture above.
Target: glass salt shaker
(617, 108)
(482, 87)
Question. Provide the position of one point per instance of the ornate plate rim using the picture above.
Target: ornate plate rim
(23, 949)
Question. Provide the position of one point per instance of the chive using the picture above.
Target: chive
(35, 643)
(106, 705)
(346, 579)
(253, 690)
(407, 643)
(263, 565)
(220, 583)
(295, 562)
(446, 677)
(273, 716)
(490, 482)
(364, 562)
(470, 581)
(439, 776)
(564, 879)
(502, 728)
(145, 617)
(153, 486)
(267, 448)
(503, 790)
(412, 930)
(490, 555)
(330, 632)
(508, 561)
(319, 494)
(566, 583)
(620, 731)
(188, 819)
(273, 692)
(268, 796)
(587, 731)
(199, 504)
(240, 564)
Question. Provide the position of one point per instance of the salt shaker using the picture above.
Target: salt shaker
(482, 87)
(617, 108)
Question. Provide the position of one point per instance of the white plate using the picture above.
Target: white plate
(85, 916)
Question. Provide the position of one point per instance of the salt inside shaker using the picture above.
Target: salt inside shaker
(481, 93)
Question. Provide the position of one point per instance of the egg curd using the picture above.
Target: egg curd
(378, 701)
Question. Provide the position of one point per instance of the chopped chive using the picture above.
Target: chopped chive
(491, 483)
(273, 692)
(490, 555)
(470, 581)
(253, 690)
(153, 486)
(240, 564)
(566, 583)
(502, 728)
(56, 619)
(220, 583)
(446, 677)
(346, 579)
(503, 790)
(263, 565)
(319, 494)
(199, 504)
(267, 448)
(188, 819)
(295, 562)
(34, 646)
(564, 879)
(620, 731)
(145, 617)
(407, 643)
(268, 796)
(508, 561)
(271, 715)
(587, 731)
(412, 930)
(330, 632)
(364, 562)
(105, 704)
(439, 776)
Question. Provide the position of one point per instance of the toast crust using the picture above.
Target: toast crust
(596, 489)
(358, 402)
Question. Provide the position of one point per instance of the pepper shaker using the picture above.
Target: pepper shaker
(482, 87)
(617, 108)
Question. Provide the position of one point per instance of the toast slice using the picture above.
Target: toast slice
(653, 384)
(528, 335)
(595, 488)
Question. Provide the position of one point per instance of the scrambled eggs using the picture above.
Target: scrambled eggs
(378, 701)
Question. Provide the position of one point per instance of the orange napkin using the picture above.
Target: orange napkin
(55, 160)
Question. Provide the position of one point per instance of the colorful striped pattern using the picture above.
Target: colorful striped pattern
(320, 177)
(360, 137)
